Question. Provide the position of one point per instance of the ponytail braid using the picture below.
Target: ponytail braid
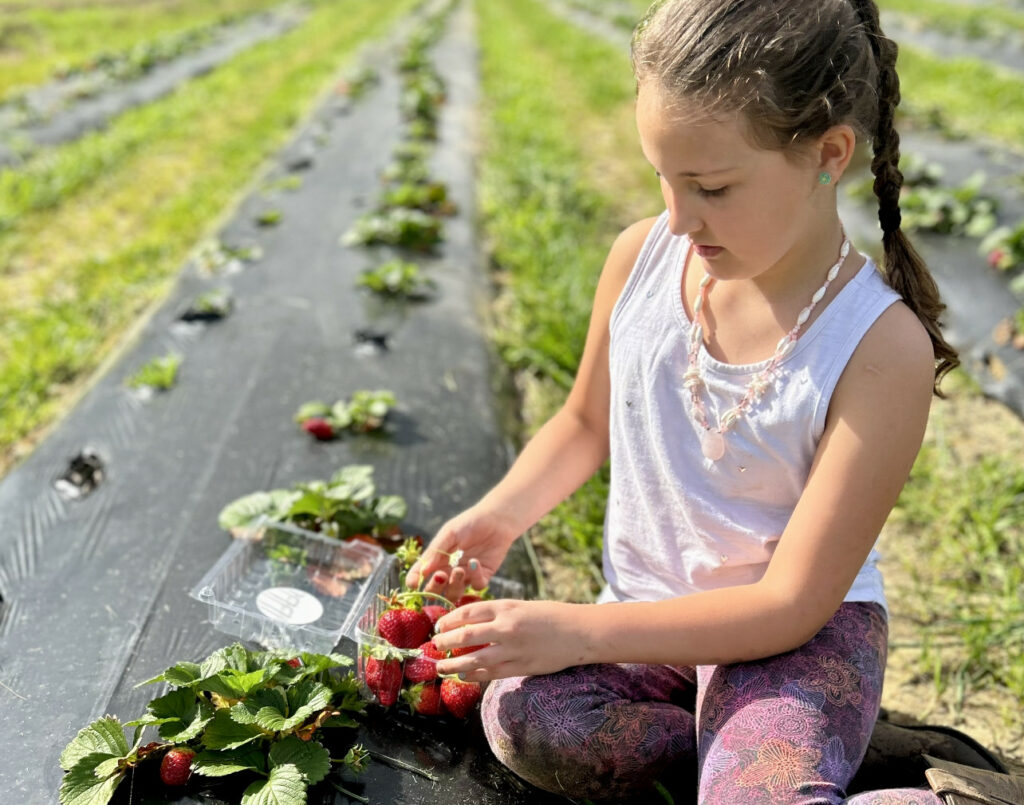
(904, 269)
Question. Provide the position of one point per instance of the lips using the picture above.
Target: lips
(707, 251)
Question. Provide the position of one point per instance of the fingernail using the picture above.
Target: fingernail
(473, 564)
(439, 577)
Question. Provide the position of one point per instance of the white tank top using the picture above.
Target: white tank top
(676, 522)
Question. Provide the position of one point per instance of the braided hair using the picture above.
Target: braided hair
(794, 71)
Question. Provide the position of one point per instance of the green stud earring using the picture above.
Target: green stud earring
(824, 178)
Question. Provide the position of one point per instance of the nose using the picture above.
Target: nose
(682, 218)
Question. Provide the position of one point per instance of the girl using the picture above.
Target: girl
(762, 391)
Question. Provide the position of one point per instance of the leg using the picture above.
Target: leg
(794, 728)
(595, 731)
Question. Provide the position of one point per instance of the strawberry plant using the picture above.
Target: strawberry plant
(397, 278)
(357, 82)
(409, 229)
(364, 412)
(269, 218)
(1004, 247)
(209, 306)
(951, 211)
(263, 715)
(159, 373)
(219, 257)
(344, 507)
(431, 197)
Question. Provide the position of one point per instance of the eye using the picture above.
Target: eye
(713, 192)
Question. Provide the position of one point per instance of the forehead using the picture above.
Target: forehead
(675, 132)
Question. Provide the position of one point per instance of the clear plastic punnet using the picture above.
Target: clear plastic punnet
(376, 603)
(287, 588)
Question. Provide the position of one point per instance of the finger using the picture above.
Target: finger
(431, 561)
(475, 574)
(464, 615)
(456, 584)
(475, 662)
(438, 582)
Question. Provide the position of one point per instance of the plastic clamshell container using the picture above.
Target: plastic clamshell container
(286, 588)
(365, 627)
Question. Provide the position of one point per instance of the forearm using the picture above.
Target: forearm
(559, 458)
(728, 625)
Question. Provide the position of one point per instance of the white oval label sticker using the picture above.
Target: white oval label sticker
(288, 605)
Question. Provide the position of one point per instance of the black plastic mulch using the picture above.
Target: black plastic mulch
(94, 588)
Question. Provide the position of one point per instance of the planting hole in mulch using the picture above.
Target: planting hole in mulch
(208, 307)
(84, 473)
(371, 342)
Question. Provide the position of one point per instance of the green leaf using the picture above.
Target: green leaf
(189, 715)
(81, 786)
(223, 732)
(390, 507)
(105, 735)
(284, 786)
(267, 699)
(245, 511)
(233, 684)
(221, 764)
(353, 482)
(234, 656)
(309, 757)
(312, 409)
(181, 675)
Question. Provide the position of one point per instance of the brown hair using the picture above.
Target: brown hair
(794, 70)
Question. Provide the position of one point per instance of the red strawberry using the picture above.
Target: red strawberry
(458, 652)
(295, 662)
(424, 667)
(468, 598)
(458, 696)
(384, 678)
(405, 628)
(176, 766)
(435, 611)
(318, 427)
(995, 257)
(424, 698)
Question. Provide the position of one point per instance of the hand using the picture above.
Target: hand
(483, 537)
(519, 638)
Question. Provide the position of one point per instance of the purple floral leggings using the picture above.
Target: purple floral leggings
(792, 728)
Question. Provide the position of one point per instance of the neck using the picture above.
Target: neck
(803, 267)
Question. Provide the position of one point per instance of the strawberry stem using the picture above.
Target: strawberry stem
(349, 794)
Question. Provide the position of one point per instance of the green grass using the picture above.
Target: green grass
(960, 19)
(547, 217)
(81, 267)
(36, 40)
(970, 97)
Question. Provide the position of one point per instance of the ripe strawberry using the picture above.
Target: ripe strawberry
(996, 257)
(458, 696)
(468, 598)
(295, 662)
(434, 612)
(424, 667)
(424, 698)
(318, 427)
(176, 766)
(458, 652)
(405, 628)
(384, 678)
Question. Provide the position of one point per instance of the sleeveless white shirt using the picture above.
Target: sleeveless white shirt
(676, 522)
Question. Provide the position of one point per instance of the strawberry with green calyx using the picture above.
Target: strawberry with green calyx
(176, 766)
(424, 698)
(319, 428)
(423, 667)
(383, 673)
(404, 624)
(459, 696)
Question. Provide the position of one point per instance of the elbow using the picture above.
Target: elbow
(797, 617)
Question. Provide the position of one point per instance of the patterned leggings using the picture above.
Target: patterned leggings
(792, 728)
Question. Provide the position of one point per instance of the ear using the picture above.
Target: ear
(835, 149)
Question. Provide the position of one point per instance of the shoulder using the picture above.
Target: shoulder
(623, 255)
(892, 367)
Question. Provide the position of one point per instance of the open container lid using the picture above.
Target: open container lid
(287, 588)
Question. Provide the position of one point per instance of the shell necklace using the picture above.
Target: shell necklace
(712, 440)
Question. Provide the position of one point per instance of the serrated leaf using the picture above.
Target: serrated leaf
(221, 764)
(81, 786)
(189, 715)
(244, 511)
(355, 477)
(107, 767)
(181, 675)
(390, 507)
(311, 759)
(340, 721)
(234, 656)
(233, 684)
(223, 732)
(105, 735)
(284, 786)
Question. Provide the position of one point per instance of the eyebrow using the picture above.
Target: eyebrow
(704, 173)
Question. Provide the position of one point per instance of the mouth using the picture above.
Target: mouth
(707, 252)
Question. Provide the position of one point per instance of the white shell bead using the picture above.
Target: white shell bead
(782, 353)
(705, 281)
(804, 314)
(833, 272)
(818, 295)
(698, 305)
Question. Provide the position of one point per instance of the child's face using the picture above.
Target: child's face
(745, 208)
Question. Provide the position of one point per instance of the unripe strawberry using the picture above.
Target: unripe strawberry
(318, 427)
(176, 766)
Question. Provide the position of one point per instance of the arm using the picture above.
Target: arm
(873, 432)
(562, 455)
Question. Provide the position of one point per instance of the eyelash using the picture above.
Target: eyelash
(713, 192)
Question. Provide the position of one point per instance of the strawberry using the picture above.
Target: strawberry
(318, 427)
(424, 667)
(424, 698)
(468, 598)
(294, 662)
(176, 766)
(404, 627)
(384, 678)
(458, 652)
(458, 696)
(434, 612)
